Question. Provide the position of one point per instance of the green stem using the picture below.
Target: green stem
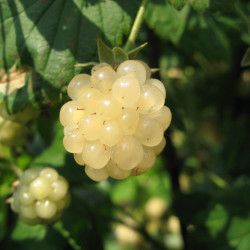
(136, 26)
(242, 15)
(66, 234)
(218, 181)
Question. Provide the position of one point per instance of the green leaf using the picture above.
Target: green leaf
(246, 59)
(217, 219)
(23, 231)
(202, 5)
(224, 224)
(167, 22)
(239, 233)
(23, 161)
(38, 236)
(189, 32)
(222, 5)
(178, 4)
(124, 191)
(17, 100)
(198, 5)
(54, 155)
(53, 36)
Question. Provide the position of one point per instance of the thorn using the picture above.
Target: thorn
(80, 109)
(93, 113)
(103, 122)
(122, 107)
(137, 108)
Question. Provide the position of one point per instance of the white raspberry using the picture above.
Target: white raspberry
(41, 196)
(116, 120)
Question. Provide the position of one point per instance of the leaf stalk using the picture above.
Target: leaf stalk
(136, 26)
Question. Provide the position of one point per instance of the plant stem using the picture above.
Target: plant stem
(136, 26)
(218, 181)
(66, 234)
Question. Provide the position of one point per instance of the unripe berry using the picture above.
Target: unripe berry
(13, 127)
(40, 196)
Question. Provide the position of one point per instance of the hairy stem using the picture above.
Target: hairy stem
(136, 26)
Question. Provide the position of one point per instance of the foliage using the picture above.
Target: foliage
(202, 176)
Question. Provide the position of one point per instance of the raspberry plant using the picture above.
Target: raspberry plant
(74, 56)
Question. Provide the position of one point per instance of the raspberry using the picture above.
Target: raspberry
(116, 120)
(41, 196)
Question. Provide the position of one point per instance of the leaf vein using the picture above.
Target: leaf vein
(21, 12)
(54, 38)
(35, 24)
(78, 34)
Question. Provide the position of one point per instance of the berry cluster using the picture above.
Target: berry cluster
(41, 196)
(116, 120)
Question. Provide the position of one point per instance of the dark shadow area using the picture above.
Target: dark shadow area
(218, 93)
(234, 203)
(94, 206)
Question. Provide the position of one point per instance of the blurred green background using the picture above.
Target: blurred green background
(196, 196)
